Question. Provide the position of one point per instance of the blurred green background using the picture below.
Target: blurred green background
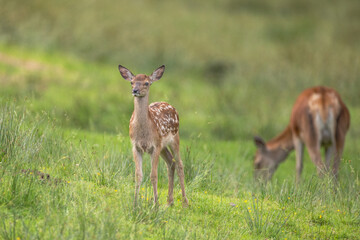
(233, 67)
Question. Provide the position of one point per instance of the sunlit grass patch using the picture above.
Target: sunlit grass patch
(265, 221)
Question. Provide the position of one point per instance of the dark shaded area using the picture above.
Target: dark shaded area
(43, 177)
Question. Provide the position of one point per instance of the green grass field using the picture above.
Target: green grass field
(233, 70)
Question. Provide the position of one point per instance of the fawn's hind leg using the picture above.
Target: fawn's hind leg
(154, 172)
(166, 155)
(175, 148)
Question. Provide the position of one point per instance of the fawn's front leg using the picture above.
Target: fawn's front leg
(154, 172)
(138, 172)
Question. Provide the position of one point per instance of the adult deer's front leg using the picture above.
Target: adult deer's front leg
(340, 142)
(154, 172)
(329, 155)
(299, 150)
(138, 172)
(315, 155)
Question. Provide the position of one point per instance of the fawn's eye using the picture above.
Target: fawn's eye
(131, 83)
(146, 83)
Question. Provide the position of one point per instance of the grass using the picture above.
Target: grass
(233, 70)
(89, 191)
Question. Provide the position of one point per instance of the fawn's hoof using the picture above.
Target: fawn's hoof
(170, 203)
(185, 202)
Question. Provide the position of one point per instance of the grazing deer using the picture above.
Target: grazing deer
(318, 119)
(154, 128)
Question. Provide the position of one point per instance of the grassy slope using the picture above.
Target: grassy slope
(89, 193)
(94, 196)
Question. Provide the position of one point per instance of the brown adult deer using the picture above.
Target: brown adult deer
(154, 128)
(318, 119)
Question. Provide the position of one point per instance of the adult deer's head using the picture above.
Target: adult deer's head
(266, 160)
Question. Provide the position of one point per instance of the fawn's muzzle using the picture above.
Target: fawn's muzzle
(135, 92)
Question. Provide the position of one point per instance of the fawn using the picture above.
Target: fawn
(154, 128)
(319, 118)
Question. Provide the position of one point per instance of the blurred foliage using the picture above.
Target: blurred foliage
(233, 67)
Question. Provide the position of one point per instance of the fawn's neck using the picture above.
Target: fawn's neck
(141, 113)
(282, 145)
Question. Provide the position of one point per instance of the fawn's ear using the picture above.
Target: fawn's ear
(260, 143)
(157, 74)
(125, 73)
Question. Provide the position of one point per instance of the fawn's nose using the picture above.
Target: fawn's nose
(135, 91)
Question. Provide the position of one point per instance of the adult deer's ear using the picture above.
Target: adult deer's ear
(157, 74)
(125, 73)
(260, 143)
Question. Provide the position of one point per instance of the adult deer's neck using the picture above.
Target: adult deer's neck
(282, 144)
(141, 114)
